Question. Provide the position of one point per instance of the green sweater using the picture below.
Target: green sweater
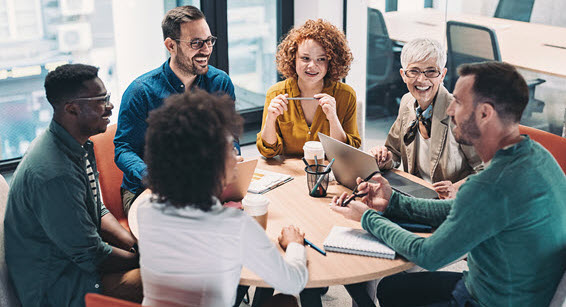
(510, 218)
(52, 223)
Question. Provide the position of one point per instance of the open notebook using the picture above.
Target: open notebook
(357, 242)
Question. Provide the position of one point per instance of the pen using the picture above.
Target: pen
(319, 181)
(301, 98)
(316, 248)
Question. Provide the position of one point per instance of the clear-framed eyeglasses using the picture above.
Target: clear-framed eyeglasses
(103, 100)
(197, 43)
(429, 73)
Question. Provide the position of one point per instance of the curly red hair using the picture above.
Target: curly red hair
(328, 36)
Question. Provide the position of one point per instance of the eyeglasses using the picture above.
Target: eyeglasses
(430, 73)
(197, 43)
(105, 100)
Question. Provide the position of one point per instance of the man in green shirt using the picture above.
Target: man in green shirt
(510, 218)
(56, 226)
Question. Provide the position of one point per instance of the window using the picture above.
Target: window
(36, 37)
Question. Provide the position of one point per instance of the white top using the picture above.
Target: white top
(194, 258)
(423, 157)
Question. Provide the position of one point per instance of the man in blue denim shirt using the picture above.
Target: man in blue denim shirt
(189, 40)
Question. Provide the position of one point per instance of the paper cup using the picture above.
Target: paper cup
(255, 205)
(312, 149)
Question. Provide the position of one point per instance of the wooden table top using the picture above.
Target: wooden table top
(536, 47)
(291, 204)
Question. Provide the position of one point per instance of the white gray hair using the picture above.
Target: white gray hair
(423, 49)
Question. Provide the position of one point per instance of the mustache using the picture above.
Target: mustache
(201, 55)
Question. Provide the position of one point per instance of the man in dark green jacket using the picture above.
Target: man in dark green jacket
(61, 241)
(509, 219)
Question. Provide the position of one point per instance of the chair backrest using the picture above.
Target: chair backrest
(379, 49)
(553, 143)
(361, 119)
(515, 9)
(8, 297)
(110, 175)
(99, 300)
(468, 43)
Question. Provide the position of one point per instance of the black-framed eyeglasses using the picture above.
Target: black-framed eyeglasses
(197, 43)
(429, 73)
(103, 100)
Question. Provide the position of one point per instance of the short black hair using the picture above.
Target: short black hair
(501, 85)
(66, 82)
(171, 24)
(186, 146)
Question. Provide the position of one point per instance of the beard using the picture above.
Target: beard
(187, 65)
(469, 130)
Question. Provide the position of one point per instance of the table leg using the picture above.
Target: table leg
(359, 293)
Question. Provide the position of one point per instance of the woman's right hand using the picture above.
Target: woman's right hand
(382, 155)
(291, 234)
(277, 106)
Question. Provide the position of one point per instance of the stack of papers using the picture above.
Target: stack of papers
(263, 181)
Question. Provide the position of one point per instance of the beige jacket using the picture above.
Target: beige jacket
(449, 160)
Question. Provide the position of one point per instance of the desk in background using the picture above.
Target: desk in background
(535, 47)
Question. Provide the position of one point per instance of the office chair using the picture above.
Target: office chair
(383, 78)
(110, 175)
(470, 43)
(8, 296)
(519, 10)
(99, 300)
(555, 144)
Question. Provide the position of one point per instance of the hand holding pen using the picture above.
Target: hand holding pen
(374, 195)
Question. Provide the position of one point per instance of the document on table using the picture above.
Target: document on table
(356, 241)
(263, 181)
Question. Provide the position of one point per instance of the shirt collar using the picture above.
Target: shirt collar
(510, 149)
(70, 145)
(172, 77)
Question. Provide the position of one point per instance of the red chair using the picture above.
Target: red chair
(99, 300)
(553, 143)
(110, 175)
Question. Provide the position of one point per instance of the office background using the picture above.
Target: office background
(123, 38)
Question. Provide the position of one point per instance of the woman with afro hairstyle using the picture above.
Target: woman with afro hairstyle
(313, 58)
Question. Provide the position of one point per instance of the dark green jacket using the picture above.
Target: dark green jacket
(52, 224)
(510, 218)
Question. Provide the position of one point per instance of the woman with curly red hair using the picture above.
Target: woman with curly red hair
(313, 58)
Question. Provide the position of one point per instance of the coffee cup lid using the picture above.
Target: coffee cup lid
(312, 145)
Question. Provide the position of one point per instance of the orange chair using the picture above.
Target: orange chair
(99, 300)
(110, 175)
(553, 143)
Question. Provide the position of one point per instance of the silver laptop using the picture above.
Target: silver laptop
(351, 163)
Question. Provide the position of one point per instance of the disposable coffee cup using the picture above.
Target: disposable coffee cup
(255, 205)
(313, 149)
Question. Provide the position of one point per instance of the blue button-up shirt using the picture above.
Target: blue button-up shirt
(146, 93)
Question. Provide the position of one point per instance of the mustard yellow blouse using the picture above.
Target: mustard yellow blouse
(291, 127)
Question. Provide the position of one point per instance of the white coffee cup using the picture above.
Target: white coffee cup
(312, 149)
(256, 206)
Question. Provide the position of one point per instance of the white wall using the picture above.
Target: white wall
(139, 41)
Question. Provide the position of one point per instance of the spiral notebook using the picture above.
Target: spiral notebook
(356, 241)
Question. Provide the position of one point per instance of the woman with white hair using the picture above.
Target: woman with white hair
(421, 137)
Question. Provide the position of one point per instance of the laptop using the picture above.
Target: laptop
(351, 163)
(237, 189)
